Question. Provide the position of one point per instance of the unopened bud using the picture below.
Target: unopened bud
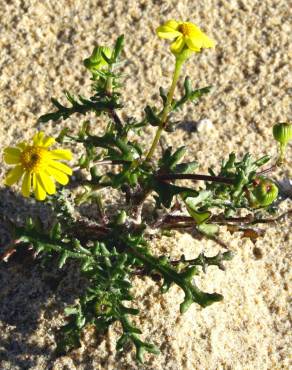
(96, 61)
(283, 132)
(265, 191)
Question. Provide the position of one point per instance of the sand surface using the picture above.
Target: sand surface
(42, 45)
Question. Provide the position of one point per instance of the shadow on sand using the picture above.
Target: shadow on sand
(32, 296)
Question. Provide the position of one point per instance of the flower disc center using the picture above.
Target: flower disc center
(186, 29)
(34, 158)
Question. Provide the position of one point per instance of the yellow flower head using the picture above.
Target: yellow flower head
(186, 35)
(38, 165)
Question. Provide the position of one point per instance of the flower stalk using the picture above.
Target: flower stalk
(167, 108)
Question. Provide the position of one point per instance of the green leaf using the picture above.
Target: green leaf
(63, 259)
(190, 95)
(69, 339)
(192, 205)
(163, 95)
(83, 106)
(208, 229)
(188, 86)
(188, 167)
(199, 217)
(151, 116)
(167, 191)
(71, 311)
(196, 94)
(122, 341)
(260, 162)
(56, 231)
(176, 157)
(193, 202)
(118, 48)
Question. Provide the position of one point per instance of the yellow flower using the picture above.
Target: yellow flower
(187, 36)
(38, 165)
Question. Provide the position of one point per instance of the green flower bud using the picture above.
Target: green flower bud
(96, 61)
(283, 132)
(265, 191)
(103, 307)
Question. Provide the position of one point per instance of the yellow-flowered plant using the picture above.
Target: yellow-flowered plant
(37, 166)
(113, 244)
(187, 37)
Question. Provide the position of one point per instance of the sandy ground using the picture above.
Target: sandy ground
(42, 44)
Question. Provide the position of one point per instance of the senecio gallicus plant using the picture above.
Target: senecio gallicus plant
(114, 247)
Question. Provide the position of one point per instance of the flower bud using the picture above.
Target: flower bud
(96, 61)
(265, 191)
(103, 307)
(283, 132)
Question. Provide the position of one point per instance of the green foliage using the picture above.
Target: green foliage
(242, 173)
(108, 266)
(79, 105)
(115, 246)
(190, 95)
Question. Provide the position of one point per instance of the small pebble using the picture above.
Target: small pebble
(257, 252)
(204, 125)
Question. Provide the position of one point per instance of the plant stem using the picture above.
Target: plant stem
(109, 81)
(116, 120)
(221, 179)
(182, 176)
(281, 154)
(267, 170)
(166, 110)
(112, 162)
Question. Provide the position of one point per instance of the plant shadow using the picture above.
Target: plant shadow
(33, 294)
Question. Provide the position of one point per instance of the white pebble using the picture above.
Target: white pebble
(204, 125)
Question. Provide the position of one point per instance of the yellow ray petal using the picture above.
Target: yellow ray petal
(172, 24)
(61, 167)
(48, 141)
(177, 46)
(38, 138)
(46, 182)
(33, 180)
(40, 193)
(192, 29)
(61, 154)
(59, 176)
(12, 155)
(13, 175)
(168, 30)
(26, 184)
(194, 43)
(207, 42)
